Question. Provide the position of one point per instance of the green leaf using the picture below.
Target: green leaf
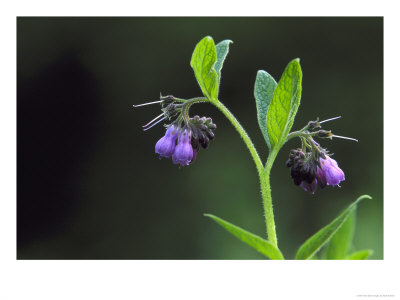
(360, 255)
(203, 60)
(263, 92)
(314, 243)
(340, 243)
(263, 246)
(222, 49)
(284, 104)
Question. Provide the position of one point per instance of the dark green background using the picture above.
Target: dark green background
(89, 183)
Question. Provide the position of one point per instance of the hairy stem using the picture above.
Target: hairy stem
(267, 199)
(263, 173)
(300, 134)
(243, 134)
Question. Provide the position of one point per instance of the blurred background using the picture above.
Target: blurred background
(89, 185)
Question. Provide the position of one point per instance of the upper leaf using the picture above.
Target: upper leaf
(263, 92)
(203, 60)
(314, 243)
(340, 243)
(222, 49)
(263, 246)
(284, 105)
(360, 255)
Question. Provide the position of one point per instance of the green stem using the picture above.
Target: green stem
(267, 199)
(263, 173)
(243, 135)
(300, 134)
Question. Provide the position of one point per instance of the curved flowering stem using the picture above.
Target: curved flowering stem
(300, 134)
(189, 102)
(263, 173)
(243, 134)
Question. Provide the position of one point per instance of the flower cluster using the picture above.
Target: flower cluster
(184, 135)
(308, 170)
(198, 131)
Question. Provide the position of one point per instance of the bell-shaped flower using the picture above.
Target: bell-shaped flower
(183, 153)
(329, 173)
(165, 146)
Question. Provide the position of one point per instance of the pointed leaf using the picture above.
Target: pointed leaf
(340, 243)
(284, 105)
(222, 49)
(263, 92)
(203, 60)
(360, 255)
(263, 246)
(314, 243)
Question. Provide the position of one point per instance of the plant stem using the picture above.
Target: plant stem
(267, 199)
(300, 134)
(263, 173)
(243, 134)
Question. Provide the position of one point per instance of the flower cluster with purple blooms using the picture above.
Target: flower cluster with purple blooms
(184, 135)
(308, 170)
(315, 167)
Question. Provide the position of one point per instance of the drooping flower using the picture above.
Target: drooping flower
(311, 164)
(328, 172)
(308, 170)
(165, 146)
(190, 132)
(183, 153)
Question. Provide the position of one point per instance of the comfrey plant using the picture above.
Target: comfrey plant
(277, 103)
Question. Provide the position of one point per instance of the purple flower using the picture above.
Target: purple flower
(329, 173)
(183, 153)
(309, 187)
(166, 145)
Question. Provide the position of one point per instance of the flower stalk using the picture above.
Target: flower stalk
(263, 172)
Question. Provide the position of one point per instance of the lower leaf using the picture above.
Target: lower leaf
(261, 245)
(339, 245)
(314, 243)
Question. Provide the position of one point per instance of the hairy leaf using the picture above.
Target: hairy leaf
(222, 49)
(284, 104)
(263, 246)
(314, 243)
(203, 60)
(360, 255)
(264, 88)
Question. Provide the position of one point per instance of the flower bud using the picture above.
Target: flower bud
(313, 124)
(324, 134)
